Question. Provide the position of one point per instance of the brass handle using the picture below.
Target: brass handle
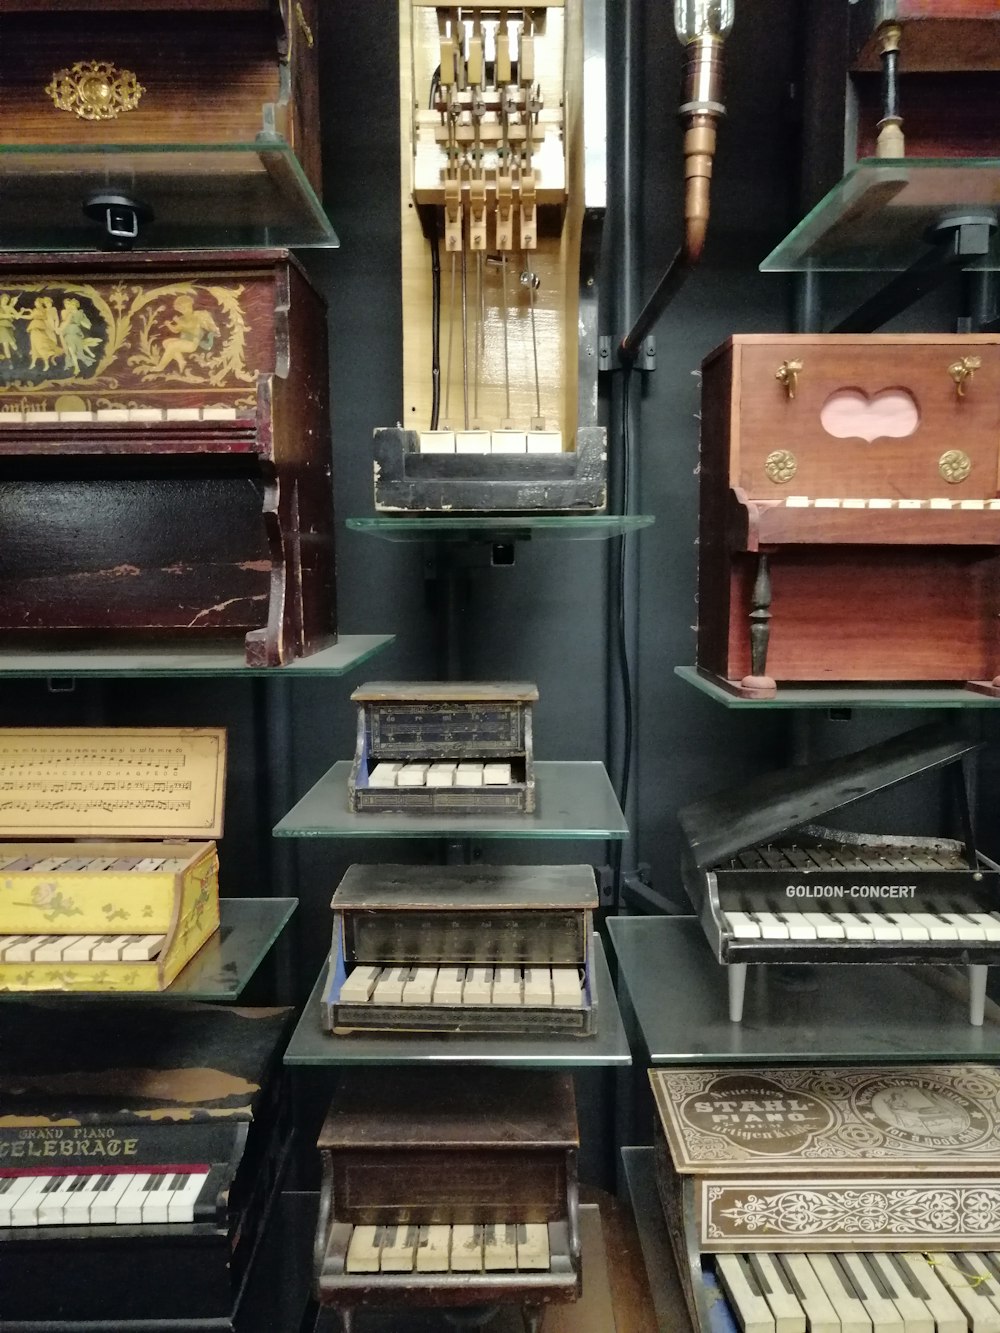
(788, 373)
(962, 371)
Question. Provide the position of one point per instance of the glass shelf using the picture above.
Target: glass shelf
(503, 528)
(221, 969)
(843, 696)
(654, 1240)
(572, 800)
(227, 195)
(877, 217)
(838, 1015)
(203, 659)
(311, 1044)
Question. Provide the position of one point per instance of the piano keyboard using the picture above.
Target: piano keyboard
(134, 415)
(493, 1247)
(847, 856)
(861, 1293)
(447, 773)
(42, 865)
(490, 442)
(559, 987)
(937, 502)
(945, 922)
(80, 948)
(92, 1198)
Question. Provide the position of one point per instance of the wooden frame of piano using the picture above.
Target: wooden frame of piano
(790, 801)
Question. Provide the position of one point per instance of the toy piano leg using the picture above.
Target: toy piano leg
(533, 1318)
(977, 994)
(737, 976)
(346, 1320)
(759, 685)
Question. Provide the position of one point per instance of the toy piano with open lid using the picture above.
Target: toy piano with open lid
(108, 868)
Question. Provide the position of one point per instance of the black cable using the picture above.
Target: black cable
(435, 289)
(621, 636)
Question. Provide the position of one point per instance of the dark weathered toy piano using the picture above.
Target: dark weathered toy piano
(140, 1150)
(456, 1190)
(463, 949)
(770, 886)
(164, 450)
(460, 746)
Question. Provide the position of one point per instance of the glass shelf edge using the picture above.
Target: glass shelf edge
(842, 696)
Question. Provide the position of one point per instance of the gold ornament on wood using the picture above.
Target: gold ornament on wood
(781, 466)
(954, 466)
(95, 90)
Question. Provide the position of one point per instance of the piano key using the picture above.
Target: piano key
(156, 1200)
(825, 926)
(972, 504)
(496, 775)
(874, 1295)
(440, 777)
(49, 864)
(507, 985)
(770, 927)
(433, 1249)
(24, 1209)
(142, 948)
(183, 414)
(937, 928)
(112, 414)
(841, 1294)
(364, 1250)
(469, 775)
(989, 921)
(798, 927)
(149, 864)
(939, 502)
(75, 863)
(76, 1211)
(796, 502)
(218, 414)
(466, 1249)
(567, 993)
(880, 504)
(82, 949)
(478, 987)
(980, 1311)
(24, 950)
(740, 1286)
(911, 1307)
(789, 1317)
(966, 929)
(827, 502)
(399, 1249)
(499, 1247)
(11, 942)
(412, 775)
(982, 1274)
(185, 1190)
(532, 1247)
(55, 1198)
(104, 1209)
(54, 950)
(125, 864)
(910, 504)
(128, 1210)
(383, 775)
(389, 989)
(538, 985)
(359, 985)
(741, 926)
(853, 504)
(174, 865)
(884, 931)
(21, 863)
(11, 1190)
(420, 987)
(449, 986)
(109, 949)
(909, 928)
(807, 1287)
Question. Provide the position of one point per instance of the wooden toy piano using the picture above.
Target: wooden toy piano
(833, 1199)
(130, 893)
(772, 886)
(463, 949)
(460, 746)
(164, 450)
(850, 516)
(138, 1166)
(501, 226)
(456, 1190)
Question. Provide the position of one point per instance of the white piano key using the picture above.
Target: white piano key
(478, 987)
(75, 418)
(770, 927)
(36, 416)
(449, 986)
(149, 864)
(11, 417)
(383, 775)
(53, 1201)
(359, 985)
(825, 926)
(24, 1210)
(412, 775)
(507, 986)
(851, 1313)
(910, 504)
(420, 987)
(993, 504)
(174, 865)
(879, 1308)
(567, 992)
(796, 502)
(798, 927)
(156, 1199)
(474, 442)
(104, 1209)
(444, 766)
(966, 929)
(469, 775)
(741, 926)
(218, 414)
(11, 1190)
(853, 504)
(972, 504)
(440, 777)
(504, 442)
(827, 502)
(544, 442)
(128, 1210)
(185, 1190)
(939, 502)
(466, 1249)
(183, 413)
(399, 1250)
(982, 1314)
(142, 949)
(884, 931)
(11, 942)
(364, 1250)
(436, 442)
(82, 950)
(983, 1274)
(937, 928)
(389, 989)
(533, 1247)
(112, 414)
(76, 1211)
(141, 414)
(538, 985)
(990, 922)
(740, 1286)
(912, 1309)
(500, 1247)
(433, 1249)
(947, 1315)
(49, 864)
(109, 949)
(910, 929)
(496, 775)
(25, 950)
(880, 504)
(809, 1290)
(54, 951)
(789, 1316)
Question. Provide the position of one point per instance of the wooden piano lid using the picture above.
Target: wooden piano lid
(458, 1109)
(437, 888)
(740, 817)
(446, 691)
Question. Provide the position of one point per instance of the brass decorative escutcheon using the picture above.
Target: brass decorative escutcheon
(954, 466)
(962, 371)
(95, 90)
(788, 373)
(781, 466)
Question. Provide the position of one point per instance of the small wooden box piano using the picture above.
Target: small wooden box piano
(834, 1199)
(772, 886)
(850, 516)
(164, 450)
(463, 949)
(461, 747)
(130, 892)
(456, 1190)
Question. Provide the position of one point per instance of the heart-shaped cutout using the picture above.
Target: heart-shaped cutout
(850, 414)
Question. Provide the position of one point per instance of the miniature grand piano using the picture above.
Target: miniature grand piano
(140, 1150)
(502, 208)
(771, 886)
(833, 1199)
(463, 949)
(456, 1190)
(850, 516)
(164, 450)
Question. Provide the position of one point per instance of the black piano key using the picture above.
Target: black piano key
(846, 1280)
(753, 1276)
(153, 1184)
(7, 1183)
(791, 1282)
(52, 1185)
(878, 1278)
(908, 1278)
(763, 1286)
(104, 1183)
(78, 1184)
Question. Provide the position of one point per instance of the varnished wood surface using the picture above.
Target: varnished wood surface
(944, 115)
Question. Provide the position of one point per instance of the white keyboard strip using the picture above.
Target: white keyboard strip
(115, 1199)
(502, 986)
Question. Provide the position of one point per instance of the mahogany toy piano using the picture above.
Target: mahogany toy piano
(772, 886)
(140, 1150)
(456, 1189)
(164, 450)
(850, 513)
